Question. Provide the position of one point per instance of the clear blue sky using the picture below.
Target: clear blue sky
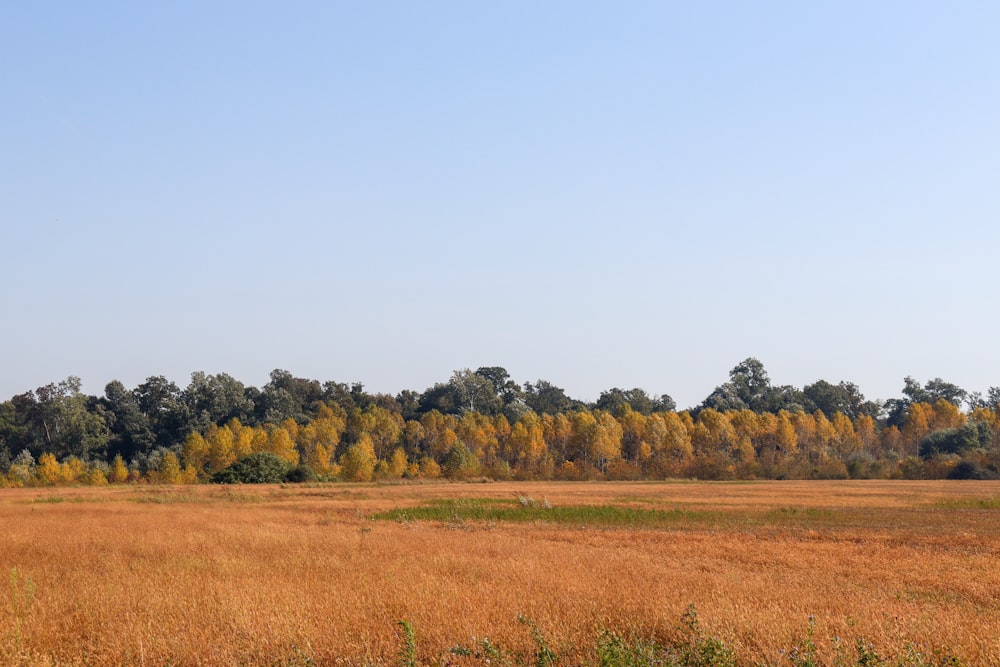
(594, 193)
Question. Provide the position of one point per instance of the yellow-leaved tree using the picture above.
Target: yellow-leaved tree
(864, 426)
(633, 426)
(846, 440)
(170, 469)
(526, 446)
(946, 415)
(358, 462)
(281, 443)
(398, 463)
(607, 445)
(916, 425)
(97, 477)
(119, 471)
(677, 448)
(785, 437)
(48, 469)
(558, 432)
(242, 438)
(72, 470)
(712, 433)
(318, 440)
(194, 451)
(384, 427)
(221, 448)
(429, 468)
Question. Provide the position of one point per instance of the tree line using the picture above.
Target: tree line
(482, 423)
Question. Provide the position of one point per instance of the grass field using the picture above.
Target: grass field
(323, 575)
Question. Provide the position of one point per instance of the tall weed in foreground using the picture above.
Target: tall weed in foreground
(616, 651)
(803, 654)
(702, 651)
(544, 656)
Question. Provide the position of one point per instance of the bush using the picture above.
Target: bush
(258, 468)
(301, 473)
(971, 435)
(970, 470)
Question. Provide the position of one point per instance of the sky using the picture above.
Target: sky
(597, 194)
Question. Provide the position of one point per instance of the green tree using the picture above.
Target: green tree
(474, 393)
(287, 397)
(504, 388)
(130, 429)
(57, 418)
(460, 462)
(833, 398)
(162, 403)
(972, 435)
(216, 399)
(749, 388)
(547, 399)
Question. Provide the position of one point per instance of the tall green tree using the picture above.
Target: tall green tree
(131, 431)
(843, 397)
(57, 419)
(547, 399)
(216, 399)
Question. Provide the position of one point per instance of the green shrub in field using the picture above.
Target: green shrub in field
(257, 468)
(301, 473)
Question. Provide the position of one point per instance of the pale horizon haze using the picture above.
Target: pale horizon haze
(596, 194)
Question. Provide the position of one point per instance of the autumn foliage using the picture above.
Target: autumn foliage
(358, 437)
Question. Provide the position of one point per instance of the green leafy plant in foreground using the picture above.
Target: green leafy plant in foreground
(544, 656)
(408, 651)
(702, 651)
(689, 646)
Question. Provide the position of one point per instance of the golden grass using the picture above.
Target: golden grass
(265, 575)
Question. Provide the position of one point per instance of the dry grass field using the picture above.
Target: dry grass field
(321, 575)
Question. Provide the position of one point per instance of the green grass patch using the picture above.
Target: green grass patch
(971, 504)
(56, 499)
(527, 511)
(237, 494)
(613, 515)
(48, 500)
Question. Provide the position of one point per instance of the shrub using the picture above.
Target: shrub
(967, 469)
(301, 473)
(257, 468)
(971, 435)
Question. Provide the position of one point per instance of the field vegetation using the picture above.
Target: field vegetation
(683, 573)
